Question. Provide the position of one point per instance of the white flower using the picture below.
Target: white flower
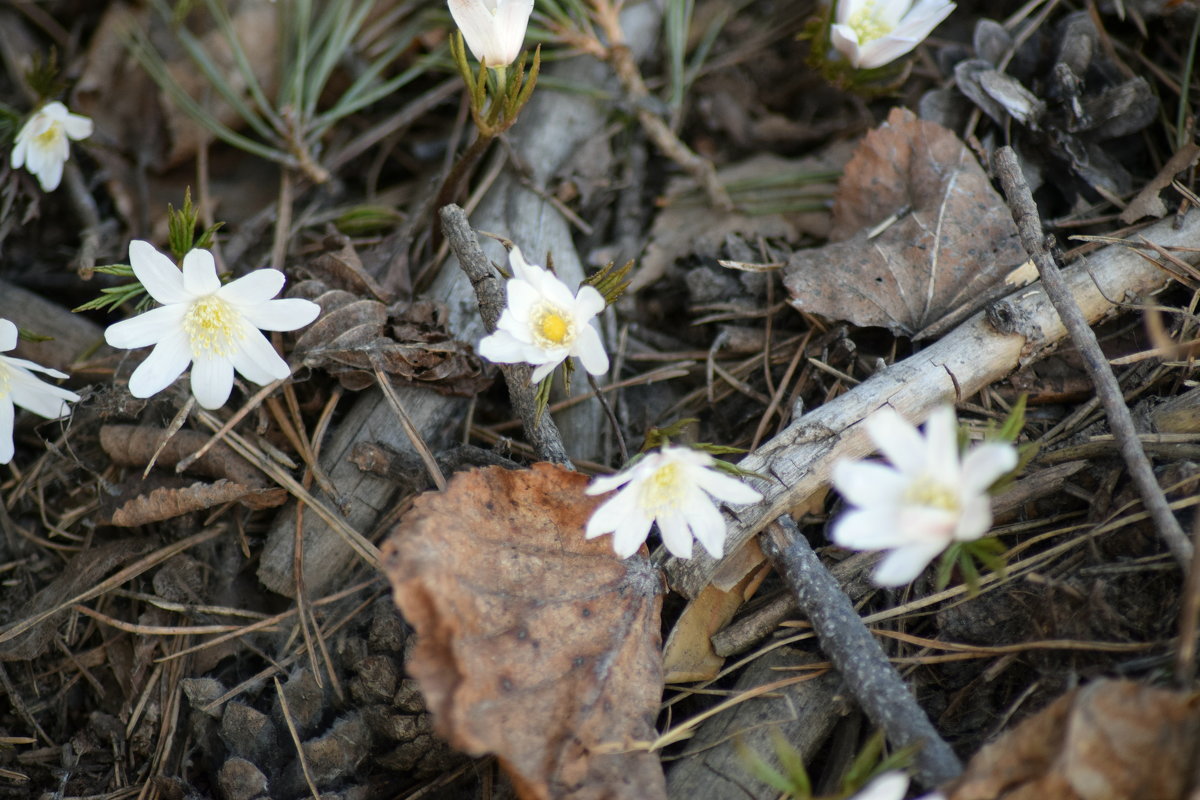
(20, 387)
(214, 328)
(494, 29)
(927, 499)
(42, 146)
(543, 324)
(670, 487)
(871, 33)
(890, 786)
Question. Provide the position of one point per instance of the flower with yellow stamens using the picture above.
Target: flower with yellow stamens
(42, 145)
(930, 497)
(872, 33)
(543, 324)
(673, 487)
(214, 328)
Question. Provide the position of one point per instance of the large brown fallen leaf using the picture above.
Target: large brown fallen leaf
(532, 643)
(952, 240)
(1110, 740)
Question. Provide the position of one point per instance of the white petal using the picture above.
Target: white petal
(212, 381)
(630, 534)
(889, 786)
(846, 9)
(921, 20)
(868, 483)
(6, 430)
(872, 528)
(478, 26)
(984, 464)
(257, 360)
(18, 160)
(676, 535)
(884, 50)
(609, 515)
(520, 268)
(166, 362)
(607, 483)
(41, 398)
(146, 329)
(975, 519)
(258, 286)
(590, 350)
(845, 41)
(8, 335)
(50, 174)
(707, 524)
(501, 348)
(32, 366)
(200, 273)
(898, 440)
(540, 373)
(588, 303)
(725, 488)
(904, 564)
(941, 446)
(512, 17)
(926, 524)
(78, 126)
(162, 279)
(281, 315)
(554, 290)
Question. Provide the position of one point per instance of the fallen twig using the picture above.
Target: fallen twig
(1029, 226)
(864, 666)
(540, 429)
(984, 349)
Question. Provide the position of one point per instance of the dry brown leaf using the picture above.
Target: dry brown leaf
(1111, 740)
(952, 240)
(136, 445)
(689, 655)
(533, 643)
(351, 338)
(168, 502)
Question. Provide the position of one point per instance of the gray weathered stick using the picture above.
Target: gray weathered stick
(982, 350)
(852, 649)
(540, 429)
(1029, 226)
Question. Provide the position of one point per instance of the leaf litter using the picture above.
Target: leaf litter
(127, 624)
(533, 643)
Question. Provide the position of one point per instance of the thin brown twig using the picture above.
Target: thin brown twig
(1029, 226)
(540, 429)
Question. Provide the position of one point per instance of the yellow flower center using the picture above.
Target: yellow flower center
(663, 491)
(213, 327)
(552, 327)
(47, 138)
(866, 25)
(927, 492)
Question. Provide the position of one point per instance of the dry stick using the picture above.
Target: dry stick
(1029, 226)
(859, 659)
(540, 429)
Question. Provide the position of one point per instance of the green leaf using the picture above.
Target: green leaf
(754, 764)
(793, 764)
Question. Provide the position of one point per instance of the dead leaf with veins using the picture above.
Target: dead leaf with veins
(533, 643)
(918, 231)
(1110, 740)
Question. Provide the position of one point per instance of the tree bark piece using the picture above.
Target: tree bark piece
(872, 680)
(984, 349)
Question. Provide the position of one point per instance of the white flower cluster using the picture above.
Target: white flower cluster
(42, 145)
